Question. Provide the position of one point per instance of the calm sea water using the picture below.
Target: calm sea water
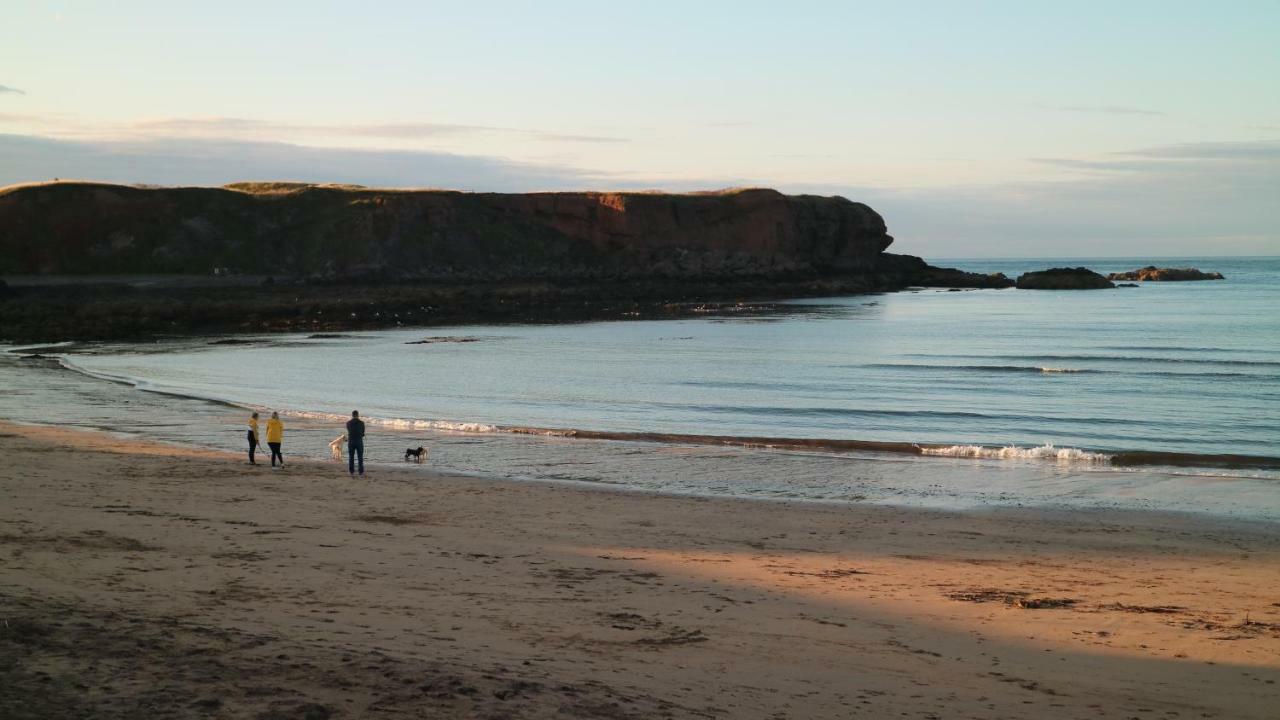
(1042, 386)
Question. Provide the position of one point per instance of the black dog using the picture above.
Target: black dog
(418, 455)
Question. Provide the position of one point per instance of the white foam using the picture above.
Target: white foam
(401, 423)
(543, 432)
(445, 425)
(1059, 370)
(25, 348)
(1012, 452)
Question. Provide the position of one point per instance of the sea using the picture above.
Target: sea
(1164, 396)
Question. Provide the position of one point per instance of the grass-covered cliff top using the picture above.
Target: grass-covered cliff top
(285, 187)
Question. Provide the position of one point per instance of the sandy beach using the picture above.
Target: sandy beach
(147, 580)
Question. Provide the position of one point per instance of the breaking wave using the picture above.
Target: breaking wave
(1012, 452)
(399, 423)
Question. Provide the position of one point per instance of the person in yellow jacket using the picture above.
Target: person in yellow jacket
(254, 443)
(275, 436)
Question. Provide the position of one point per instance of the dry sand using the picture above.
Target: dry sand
(144, 581)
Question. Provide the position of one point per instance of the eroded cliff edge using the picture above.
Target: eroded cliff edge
(460, 255)
(336, 232)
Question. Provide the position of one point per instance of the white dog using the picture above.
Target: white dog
(335, 447)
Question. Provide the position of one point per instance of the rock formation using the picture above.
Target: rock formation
(1063, 279)
(344, 232)
(290, 256)
(1151, 273)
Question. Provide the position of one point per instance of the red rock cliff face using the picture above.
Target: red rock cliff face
(334, 232)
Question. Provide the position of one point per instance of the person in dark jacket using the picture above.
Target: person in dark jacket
(253, 438)
(355, 443)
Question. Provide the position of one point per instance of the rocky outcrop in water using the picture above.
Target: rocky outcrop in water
(1151, 273)
(1063, 279)
(915, 271)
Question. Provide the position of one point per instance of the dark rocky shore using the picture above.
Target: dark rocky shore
(94, 261)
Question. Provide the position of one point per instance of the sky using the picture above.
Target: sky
(976, 129)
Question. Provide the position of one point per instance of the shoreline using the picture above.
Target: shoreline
(1073, 455)
(550, 600)
(115, 439)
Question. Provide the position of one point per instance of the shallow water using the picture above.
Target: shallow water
(1171, 367)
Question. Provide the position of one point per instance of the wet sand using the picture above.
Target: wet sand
(142, 580)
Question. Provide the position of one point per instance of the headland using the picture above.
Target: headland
(97, 261)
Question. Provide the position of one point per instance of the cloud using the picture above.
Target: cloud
(1102, 109)
(19, 118)
(250, 128)
(1099, 165)
(1261, 151)
(6, 89)
(561, 137)
(194, 161)
(219, 128)
(1240, 157)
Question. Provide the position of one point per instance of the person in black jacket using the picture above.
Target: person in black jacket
(254, 444)
(355, 443)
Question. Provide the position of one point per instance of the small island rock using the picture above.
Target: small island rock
(1063, 279)
(1154, 274)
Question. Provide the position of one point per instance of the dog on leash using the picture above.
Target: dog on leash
(335, 447)
(418, 455)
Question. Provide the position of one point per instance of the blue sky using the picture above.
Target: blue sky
(976, 129)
